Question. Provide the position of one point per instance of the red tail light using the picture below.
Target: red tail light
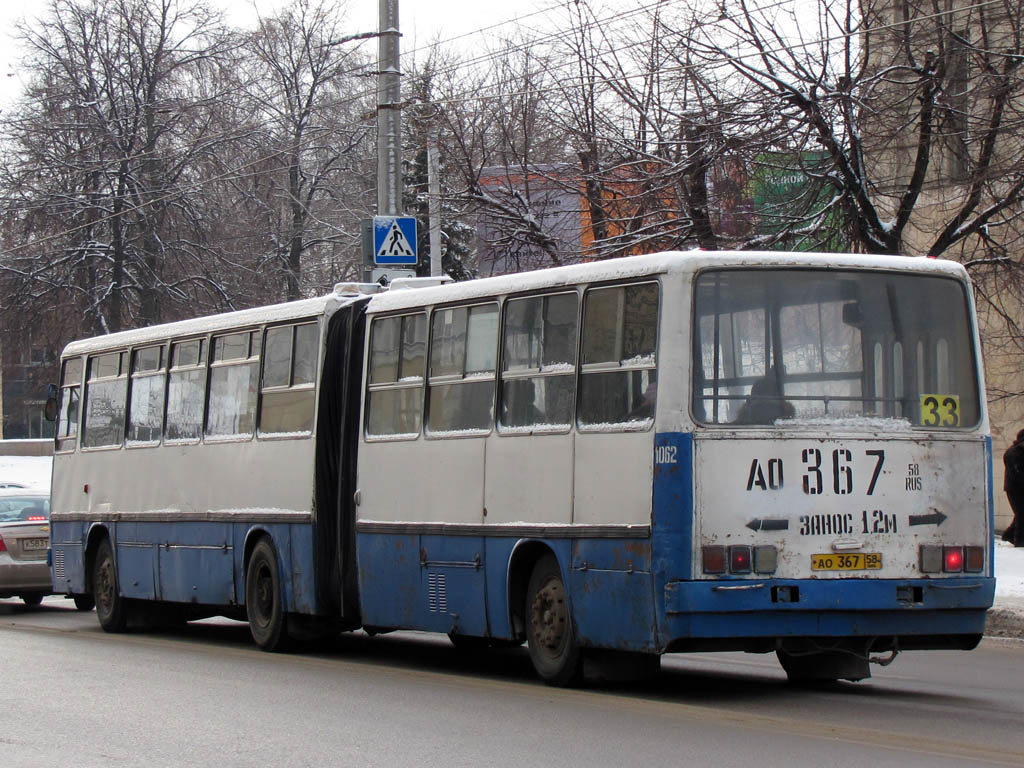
(36, 518)
(739, 559)
(952, 559)
(3, 547)
(935, 558)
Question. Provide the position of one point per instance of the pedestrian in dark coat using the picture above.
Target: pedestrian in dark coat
(1013, 484)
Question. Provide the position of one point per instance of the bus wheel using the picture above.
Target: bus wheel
(32, 598)
(111, 607)
(84, 602)
(549, 634)
(263, 604)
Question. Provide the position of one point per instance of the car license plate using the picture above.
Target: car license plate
(34, 545)
(855, 561)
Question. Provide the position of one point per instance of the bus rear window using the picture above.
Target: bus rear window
(790, 346)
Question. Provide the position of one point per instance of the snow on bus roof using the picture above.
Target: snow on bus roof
(592, 272)
(652, 264)
(343, 294)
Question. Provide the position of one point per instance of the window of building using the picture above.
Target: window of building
(106, 391)
(463, 347)
(394, 400)
(538, 372)
(146, 406)
(186, 388)
(70, 397)
(289, 373)
(618, 381)
(234, 377)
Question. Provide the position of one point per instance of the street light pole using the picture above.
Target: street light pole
(389, 113)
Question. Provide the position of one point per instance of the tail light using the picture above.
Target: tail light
(713, 558)
(936, 558)
(739, 559)
(952, 559)
(36, 518)
(766, 559)
(3, 547)
(974, 559)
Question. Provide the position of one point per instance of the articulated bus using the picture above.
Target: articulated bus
(688, 451)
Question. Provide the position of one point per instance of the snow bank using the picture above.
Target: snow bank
(1006, 617)
(1009, 571)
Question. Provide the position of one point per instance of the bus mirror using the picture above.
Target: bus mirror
(852, 314)
(50, 409)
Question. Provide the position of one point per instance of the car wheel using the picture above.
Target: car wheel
(263, 604)
(549, 632)
(111, 607)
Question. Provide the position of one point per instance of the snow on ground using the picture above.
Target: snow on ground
(1009, 571)
(1006, 618)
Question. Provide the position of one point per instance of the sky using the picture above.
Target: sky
(421, 22)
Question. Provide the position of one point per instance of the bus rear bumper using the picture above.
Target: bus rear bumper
(827, 608)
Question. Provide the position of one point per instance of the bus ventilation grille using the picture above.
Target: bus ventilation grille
(437, 593)
(58, 563)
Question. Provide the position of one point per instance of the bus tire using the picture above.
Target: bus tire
(549, 631)
(264, 608)
(32, 598)
(111, 607)
(84, 602)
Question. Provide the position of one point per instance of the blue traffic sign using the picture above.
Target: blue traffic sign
(394, 240)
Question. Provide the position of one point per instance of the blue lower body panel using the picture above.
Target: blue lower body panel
(460, 584)
(826, 608)
(200, 562)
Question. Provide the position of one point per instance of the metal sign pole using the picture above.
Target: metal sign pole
(389, 113)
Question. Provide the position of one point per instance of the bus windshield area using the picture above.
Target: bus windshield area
(782, 347)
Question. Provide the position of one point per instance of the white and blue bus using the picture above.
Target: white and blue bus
(694, 451)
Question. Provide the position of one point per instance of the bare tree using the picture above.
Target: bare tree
(101, 152)
(878, 93)
(501, 141)
(311, 110)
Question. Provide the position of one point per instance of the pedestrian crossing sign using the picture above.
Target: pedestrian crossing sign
(394, 240)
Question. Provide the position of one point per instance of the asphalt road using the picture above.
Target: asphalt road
(205, 696)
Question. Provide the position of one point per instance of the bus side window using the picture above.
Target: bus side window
(106, 391)
(70, 396)
(234, 379)
(289, 373)
(463, 348)
(618, 381)
(538, 373)
(394, 398)
(186, 388)
(146, 400)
